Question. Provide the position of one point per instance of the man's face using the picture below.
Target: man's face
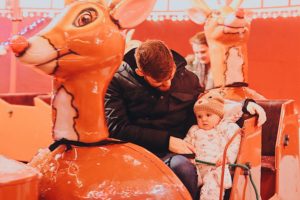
(207, 120)
(163, 85)
(201, 52)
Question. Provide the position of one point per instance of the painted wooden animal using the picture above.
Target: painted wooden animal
(81, 48)
(227, 32)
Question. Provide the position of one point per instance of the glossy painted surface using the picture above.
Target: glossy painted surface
(287, 154)
(18, 44)
(81, 48)
(227, 33)
(238, 93)
(27, 135)
(117, 171)
(17, 181)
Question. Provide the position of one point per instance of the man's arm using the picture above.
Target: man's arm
(121, 127)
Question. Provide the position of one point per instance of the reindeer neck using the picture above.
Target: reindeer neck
(229, 63)
(78, 107)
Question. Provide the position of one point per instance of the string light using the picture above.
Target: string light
(264, 14)
(25, 30)
(165, 14)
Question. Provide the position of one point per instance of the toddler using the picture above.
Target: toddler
(209, 138)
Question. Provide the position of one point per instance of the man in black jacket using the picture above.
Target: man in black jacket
(150, 103)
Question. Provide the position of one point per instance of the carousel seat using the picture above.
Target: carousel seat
(25, 123)
(24, 99)
(273, 109)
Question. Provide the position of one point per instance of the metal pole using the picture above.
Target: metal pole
(15, 18)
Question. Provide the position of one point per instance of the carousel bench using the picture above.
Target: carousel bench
(24, 99)
(275, 140)
(269, 137)
(26, 123)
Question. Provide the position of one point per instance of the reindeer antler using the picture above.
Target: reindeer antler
(236, 4)
(68, 2)
(202, 5)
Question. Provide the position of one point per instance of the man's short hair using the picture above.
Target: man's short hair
(155, 59)
(198, 38)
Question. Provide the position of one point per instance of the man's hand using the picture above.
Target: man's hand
(179, 146)
(253, 109)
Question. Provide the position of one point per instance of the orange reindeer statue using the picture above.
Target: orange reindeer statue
(81, 48)
(227, 33)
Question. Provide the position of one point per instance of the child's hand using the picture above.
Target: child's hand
(179, 146)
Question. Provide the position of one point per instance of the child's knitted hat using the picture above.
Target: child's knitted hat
(210, 104)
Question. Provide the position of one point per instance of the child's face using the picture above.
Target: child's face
(207, 120)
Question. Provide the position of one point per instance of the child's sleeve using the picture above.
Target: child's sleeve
(190, 136)
(232, 111)
(234, 147)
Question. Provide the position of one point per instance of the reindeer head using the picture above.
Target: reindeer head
(227, 33)
(86, 35)
(82, 47)
(226, 25)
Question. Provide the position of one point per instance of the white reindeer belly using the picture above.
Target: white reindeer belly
(64, 124)
(234, 66)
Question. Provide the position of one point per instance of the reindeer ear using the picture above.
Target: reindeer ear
(197, 15)
(67, 2)
(130, 13)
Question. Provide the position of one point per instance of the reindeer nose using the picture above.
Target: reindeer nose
(240, 13)
(18, 44)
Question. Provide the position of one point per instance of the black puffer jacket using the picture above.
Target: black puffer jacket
(140, 114)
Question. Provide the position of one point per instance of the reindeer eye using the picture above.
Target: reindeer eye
(85, 17)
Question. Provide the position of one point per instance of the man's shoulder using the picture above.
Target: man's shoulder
(125, 78)
(190, 74)
(122, 73)
(123, 68)
(129, 58)
(189, 77)
(128, 64)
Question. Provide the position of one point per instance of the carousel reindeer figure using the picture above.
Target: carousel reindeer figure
(227, 33)
(81, 48)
